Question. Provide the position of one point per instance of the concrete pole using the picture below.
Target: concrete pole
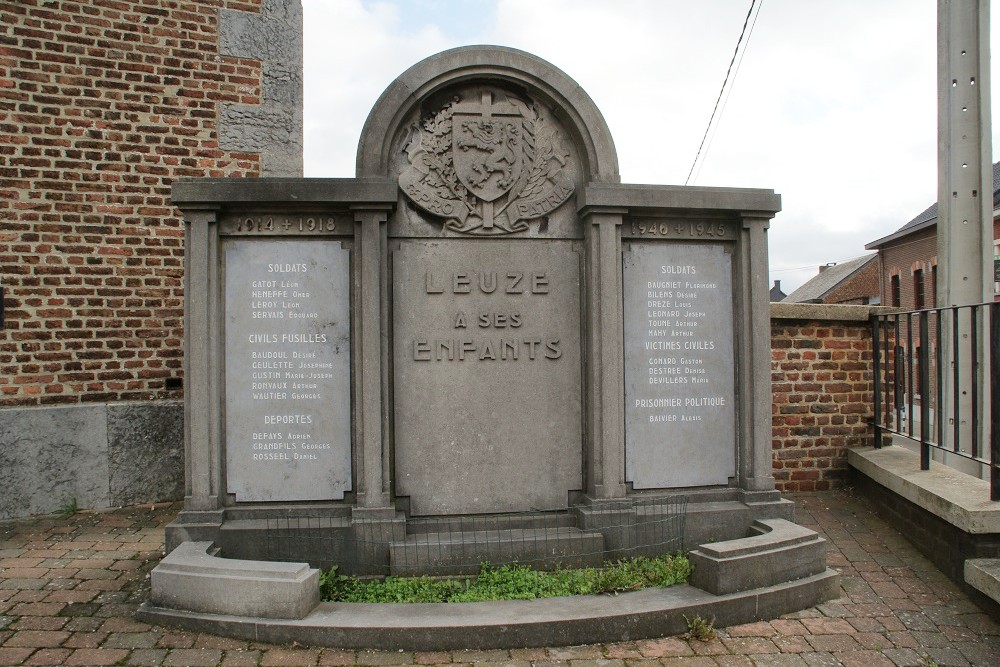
(965, 191)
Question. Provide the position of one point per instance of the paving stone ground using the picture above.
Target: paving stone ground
(69, 587)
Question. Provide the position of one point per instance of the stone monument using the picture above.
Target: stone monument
(482, 348)
(484, 321)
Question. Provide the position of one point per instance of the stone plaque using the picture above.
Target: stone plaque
(693, 230)
(295, 224)
(487, 391)
(680, 419)
(288, 406)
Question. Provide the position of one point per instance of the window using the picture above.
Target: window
(934, 299)
(918, 289)
(894, 291)
(996, 267)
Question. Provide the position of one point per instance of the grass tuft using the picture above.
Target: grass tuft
(68, 508)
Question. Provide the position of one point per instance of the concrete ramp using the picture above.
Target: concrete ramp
(983, 574)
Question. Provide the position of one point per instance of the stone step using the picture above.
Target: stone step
(983, 574)
(776, 551)
(473, 523)
(462, 552)
(319, 541)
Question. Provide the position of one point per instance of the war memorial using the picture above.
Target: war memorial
(482, 347)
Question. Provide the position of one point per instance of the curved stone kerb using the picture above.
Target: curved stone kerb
(470, 63)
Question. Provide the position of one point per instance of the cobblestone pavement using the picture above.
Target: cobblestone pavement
(69, 587)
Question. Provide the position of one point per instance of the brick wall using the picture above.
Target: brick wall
(821, 377)
(103, 103)
(996, 252)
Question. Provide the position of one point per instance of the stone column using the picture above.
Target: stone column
(370, 341)
(753, 357)
(203, 354)
(606, 381)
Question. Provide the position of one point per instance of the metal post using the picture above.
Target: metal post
(994, 366)
(939, 361)
(876, 384)
(909, 375)
(898, 376)
(925, 407)
(955, 384)
(976, 446)
(889, 421)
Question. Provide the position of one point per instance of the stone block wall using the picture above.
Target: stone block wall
(821, 378)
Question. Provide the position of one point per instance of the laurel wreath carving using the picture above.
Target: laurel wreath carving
(434, 153)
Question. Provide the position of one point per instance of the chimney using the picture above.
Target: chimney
(827, 266)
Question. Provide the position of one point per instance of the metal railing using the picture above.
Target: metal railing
(936, 382)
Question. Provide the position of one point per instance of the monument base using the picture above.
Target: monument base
(775, 568)
(386, 542)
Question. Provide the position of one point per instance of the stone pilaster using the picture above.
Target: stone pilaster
(604, 344)
(370, 422)
(203, 353)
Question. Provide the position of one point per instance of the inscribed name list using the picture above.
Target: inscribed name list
(679, 366)
(287, 370)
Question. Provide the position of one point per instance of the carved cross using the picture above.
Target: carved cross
(486, 109)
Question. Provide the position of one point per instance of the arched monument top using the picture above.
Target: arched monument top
(469, 64)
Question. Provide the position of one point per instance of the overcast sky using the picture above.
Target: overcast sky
(833, 104)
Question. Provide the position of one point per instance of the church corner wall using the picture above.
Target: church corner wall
(271, 123)
(102, 106)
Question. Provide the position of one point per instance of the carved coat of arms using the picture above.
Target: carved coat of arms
(486, 167)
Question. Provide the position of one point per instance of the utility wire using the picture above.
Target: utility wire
(812, 266)
(746, 22)
(729, 92)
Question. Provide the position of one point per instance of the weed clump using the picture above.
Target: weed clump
(699, 628)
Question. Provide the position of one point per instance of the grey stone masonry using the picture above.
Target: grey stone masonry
(778, 551)
(101, 455)
(191, 577)
(983, 574)
(272, 128)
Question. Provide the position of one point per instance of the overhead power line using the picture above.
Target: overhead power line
(729, 92)
(743, 32)
(813, 266)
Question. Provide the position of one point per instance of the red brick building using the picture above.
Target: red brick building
(908, 257)
(103, 104)
(855, 282)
